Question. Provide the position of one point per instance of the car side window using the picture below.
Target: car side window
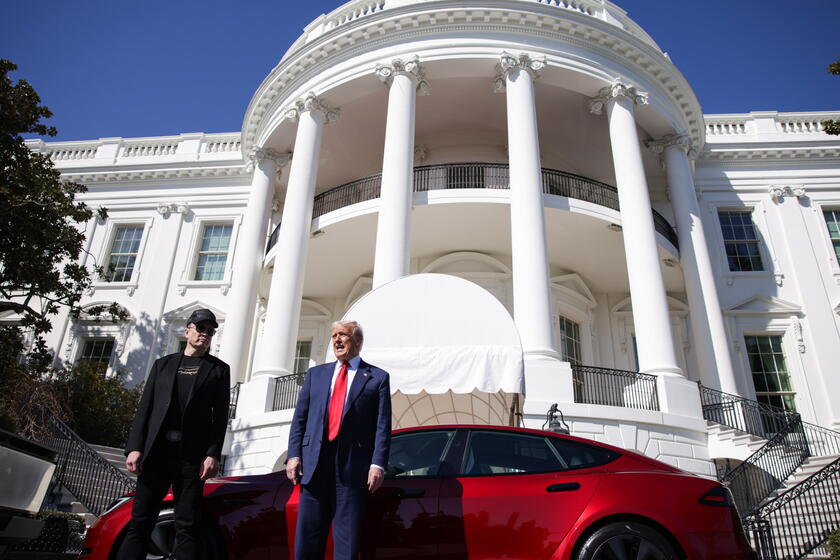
(577, 455)
(490, 453)
(418, 453)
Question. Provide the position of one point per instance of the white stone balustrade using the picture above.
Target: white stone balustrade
(767, 126)
(113, 152)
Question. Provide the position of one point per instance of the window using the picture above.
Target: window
(97, 351)
(505, 453)
(832, 220)
(124, 253)
(769, 372)
(740, 241)
(182, 344)
(213, 252)
(570, 341)
(465, 177)
(576, 455)
(418, 454)
(303, 350)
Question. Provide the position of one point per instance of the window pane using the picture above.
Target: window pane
(123, 253)
(570, 341)
(832, 221)
(97, 351)
(491, 453)
(769, 371)
(303, 351)
(213, 252)
(575, 455)
(417, 454)
(740, 241)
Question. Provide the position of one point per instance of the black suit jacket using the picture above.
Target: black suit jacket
(205, 414)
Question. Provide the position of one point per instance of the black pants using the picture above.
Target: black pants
(165, 466)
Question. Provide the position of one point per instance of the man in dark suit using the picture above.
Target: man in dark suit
(338, 446)
(176, 438)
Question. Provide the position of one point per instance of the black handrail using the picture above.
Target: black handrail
(286, 390)
(742, 414)
(614, 387)
(812, 505)
(766, 470)
(87, 475)
(234, 400)
(476, 176)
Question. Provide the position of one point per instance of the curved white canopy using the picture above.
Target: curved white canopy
(436, 333)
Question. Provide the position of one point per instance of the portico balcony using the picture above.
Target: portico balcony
(476, 176)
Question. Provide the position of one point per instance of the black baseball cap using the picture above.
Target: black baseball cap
(200, 315)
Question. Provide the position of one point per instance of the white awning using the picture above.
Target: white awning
(436, 333)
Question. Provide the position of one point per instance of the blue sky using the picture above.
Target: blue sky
(160, 67)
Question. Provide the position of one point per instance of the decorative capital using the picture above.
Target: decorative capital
(613, 92)
(410, 68)
(260, 155)
(167, 208)
(508, 63)
(312, 103)
(679, 141)
(779, 192)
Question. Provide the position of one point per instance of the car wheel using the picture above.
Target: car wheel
(626, 541)
(162, 542)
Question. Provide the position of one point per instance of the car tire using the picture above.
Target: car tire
(162, 543)
(626, 540)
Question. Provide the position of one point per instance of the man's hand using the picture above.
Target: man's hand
(209, 468)
(134, 462)
(293, 469)
(375, 479)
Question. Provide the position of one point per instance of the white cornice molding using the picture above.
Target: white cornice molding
(769, 154)
(416, 22)
(153, 175)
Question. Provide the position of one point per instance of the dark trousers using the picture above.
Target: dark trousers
(326, 500)
(165, 466)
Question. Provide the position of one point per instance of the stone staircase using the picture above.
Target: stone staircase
(725, 441)
(790, 525)
(114, 455)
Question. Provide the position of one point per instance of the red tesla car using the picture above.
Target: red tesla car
(479, 492)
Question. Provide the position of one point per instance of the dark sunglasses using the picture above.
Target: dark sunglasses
(205, 329)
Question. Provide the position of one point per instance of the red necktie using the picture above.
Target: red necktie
(337, 402)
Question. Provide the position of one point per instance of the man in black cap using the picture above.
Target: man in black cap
(176, 438)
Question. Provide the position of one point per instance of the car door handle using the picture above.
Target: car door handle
(563, 487)
(410, 492)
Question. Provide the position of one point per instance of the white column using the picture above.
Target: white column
(247, 262)
(531, 279)
(707, 324)
(393, 232)
(654, 339)
(276, 353)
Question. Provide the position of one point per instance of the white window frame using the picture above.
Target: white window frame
(190, 263)
(786, 325)
(830, 256)
(758, 213)
(86, 328)
(130, 286)
(109, 366)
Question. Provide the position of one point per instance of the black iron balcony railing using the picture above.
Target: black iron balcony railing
(476, 176)
(91, 479)
(613, 387)
(286, 390)
(795, 523)
(234, 400)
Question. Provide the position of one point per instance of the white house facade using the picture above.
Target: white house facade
(523, 203)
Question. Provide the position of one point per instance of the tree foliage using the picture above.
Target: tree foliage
(41, 222)
(833, 127)
(41, 241)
